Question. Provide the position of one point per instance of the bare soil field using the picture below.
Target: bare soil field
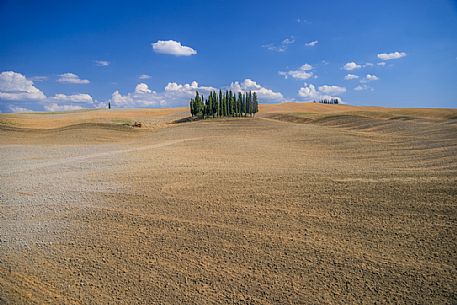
(304, 204)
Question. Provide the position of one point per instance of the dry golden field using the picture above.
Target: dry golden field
(305, 204)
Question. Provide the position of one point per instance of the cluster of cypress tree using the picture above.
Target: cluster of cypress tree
(329, 101)
(224, 104)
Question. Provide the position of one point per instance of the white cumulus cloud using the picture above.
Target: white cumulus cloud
(142, 96)
(389, 56)
(371, 77)
(363, 87)
(312, 43)
(76, 98)
(142, 88)
(174, 94)
(71, 78)
(172, 47)
(16, 87)
(25, 97)
(102, 63)
(187, 89)
(310, 93)
(351, 76)
(332, 89)
(53, 107)
(138, 99)
(351, 66)
(281, 47)
(262, 92)
(144, 76)
(13, 108)
(300, 73)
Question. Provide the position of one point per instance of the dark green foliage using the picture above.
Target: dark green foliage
(243, 104)
(214, 103)
(197, 106)
(224, 104)
(224, 109)
(255, 103)
(248, 102)
(220, 103)
(329, 101)
(240, 103)
(232, 104)
(227, 103)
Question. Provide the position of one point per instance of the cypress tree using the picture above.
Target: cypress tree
(232, 104)
(243, 104)
(220, 102)
(207, 109)
(199, 106)
(240, 102)
(235, 105)
(221, 97)
(227, 103)
(255, 103)
(197, 103)
(251, 104)
(214, 98)
(215, 105)
(195, 107)
(248, 102)
(224, 113)
(209, 105)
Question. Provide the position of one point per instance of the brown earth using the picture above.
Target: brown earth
(306, 203)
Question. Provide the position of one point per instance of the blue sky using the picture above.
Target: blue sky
(61, 56)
